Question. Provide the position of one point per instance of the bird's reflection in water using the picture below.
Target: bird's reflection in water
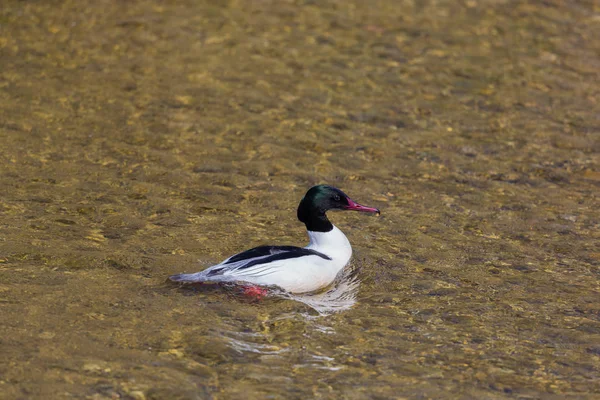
(340, 296)
(259, 337)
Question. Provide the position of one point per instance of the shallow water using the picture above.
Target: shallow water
(138, 137)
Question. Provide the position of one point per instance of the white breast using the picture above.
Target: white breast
(333, 244)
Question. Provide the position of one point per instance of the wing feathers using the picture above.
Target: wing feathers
(253, 263)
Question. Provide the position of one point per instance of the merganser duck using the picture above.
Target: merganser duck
(293, 269)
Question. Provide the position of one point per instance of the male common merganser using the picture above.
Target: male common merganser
(293, 269)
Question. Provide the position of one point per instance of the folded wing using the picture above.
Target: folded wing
(253, 263)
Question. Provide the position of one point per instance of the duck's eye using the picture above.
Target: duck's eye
(336, 197)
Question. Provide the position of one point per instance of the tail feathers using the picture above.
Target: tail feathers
(189, 278)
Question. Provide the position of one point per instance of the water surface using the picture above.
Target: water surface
(142, 139)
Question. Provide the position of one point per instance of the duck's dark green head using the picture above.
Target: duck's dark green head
(322, 198)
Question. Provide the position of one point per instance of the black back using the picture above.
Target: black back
(272, 253)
